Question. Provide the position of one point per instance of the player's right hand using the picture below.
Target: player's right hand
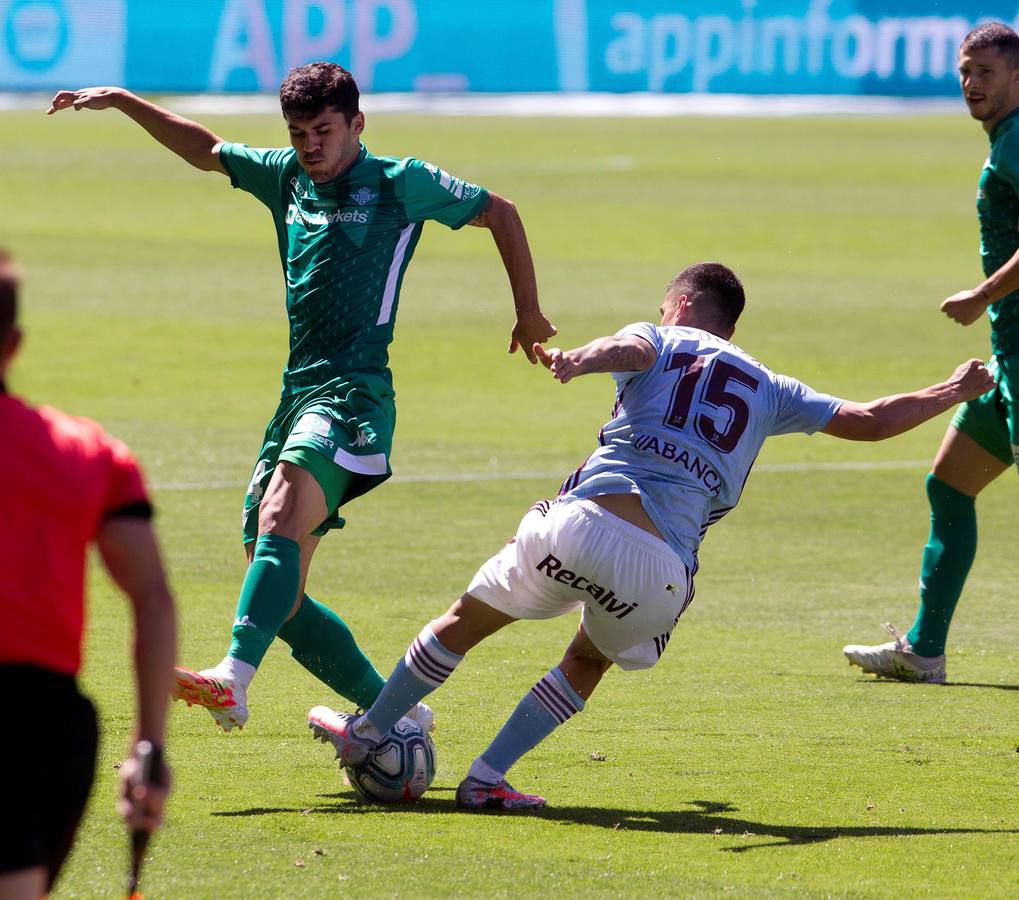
(86, 98)
(971, 379)
(561, 365)
(141, 805)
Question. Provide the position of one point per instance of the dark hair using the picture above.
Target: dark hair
(997, 35)
(8, 294)
(308, 90)
(713, 282)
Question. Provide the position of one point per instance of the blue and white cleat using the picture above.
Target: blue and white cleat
(474, 794)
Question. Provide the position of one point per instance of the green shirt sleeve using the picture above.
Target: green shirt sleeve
(428, 192)
(258, 171)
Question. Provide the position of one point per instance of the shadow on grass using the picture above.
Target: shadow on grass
(706, 817)
(976, 684)
(869, 679)
(350, 804)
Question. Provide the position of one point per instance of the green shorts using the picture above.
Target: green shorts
(341, 432)
(991, 420)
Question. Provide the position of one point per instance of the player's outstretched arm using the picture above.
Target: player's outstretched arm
(192, 142)
(500, 217)
(606, 354)
(888, 416)
(967, 307)
(130, 552)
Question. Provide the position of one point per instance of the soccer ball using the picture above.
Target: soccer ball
(399, 769)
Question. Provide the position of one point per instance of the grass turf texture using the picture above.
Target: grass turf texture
(751, 761)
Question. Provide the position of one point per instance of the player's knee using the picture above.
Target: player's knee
(587, 655)
(466, 623)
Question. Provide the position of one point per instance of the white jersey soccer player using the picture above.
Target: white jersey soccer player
(683, 437)
(620, 541)
(685, 432)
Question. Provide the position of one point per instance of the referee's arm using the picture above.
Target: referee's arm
(130, 552)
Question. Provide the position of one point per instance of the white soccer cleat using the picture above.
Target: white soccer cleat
(423, 715)
(337, 729)
(896, 659)
(474, 794)
(225, 699)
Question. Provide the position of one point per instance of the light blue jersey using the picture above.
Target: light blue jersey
(685, 433)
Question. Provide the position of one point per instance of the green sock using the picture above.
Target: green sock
(267, 596)
(323, 644)
(947, 558)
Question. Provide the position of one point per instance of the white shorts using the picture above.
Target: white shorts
(574, 554)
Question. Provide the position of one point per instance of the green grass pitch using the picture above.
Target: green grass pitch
(752, 761)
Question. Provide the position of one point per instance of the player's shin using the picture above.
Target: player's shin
(549, 704)
(267, 596)
(947, 557)
(321, 642)
(425, 666)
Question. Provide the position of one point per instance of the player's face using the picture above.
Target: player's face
(990, 86)
(326, 144)
(669, 309)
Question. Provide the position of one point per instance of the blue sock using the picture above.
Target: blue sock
(425, 666)
(545, 707)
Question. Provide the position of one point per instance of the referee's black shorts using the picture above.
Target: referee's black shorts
(47, 763)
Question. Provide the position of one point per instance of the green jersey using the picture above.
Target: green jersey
(998, 211)
(345, 246)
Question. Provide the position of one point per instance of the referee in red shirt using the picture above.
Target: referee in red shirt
(67, 483)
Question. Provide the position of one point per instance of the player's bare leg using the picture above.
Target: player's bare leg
(428, 662)
(584, 664)
(25, 884)
(964, 465)
(961, 470)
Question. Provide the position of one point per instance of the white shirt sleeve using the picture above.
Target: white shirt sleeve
(801, 408)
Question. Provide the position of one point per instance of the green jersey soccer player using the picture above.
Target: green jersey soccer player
(983, 439)
(347, 223)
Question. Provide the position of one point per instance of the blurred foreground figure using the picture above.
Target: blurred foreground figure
(67, 484)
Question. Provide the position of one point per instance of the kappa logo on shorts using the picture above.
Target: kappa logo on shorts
(363, 439)
(604, 597)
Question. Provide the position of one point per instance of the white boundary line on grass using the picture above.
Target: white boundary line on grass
(455, 477)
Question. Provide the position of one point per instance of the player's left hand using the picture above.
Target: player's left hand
(965, 307)
(528, 331)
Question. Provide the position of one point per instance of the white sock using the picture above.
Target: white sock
(483, 772)
(236, 670)
(365, 729)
